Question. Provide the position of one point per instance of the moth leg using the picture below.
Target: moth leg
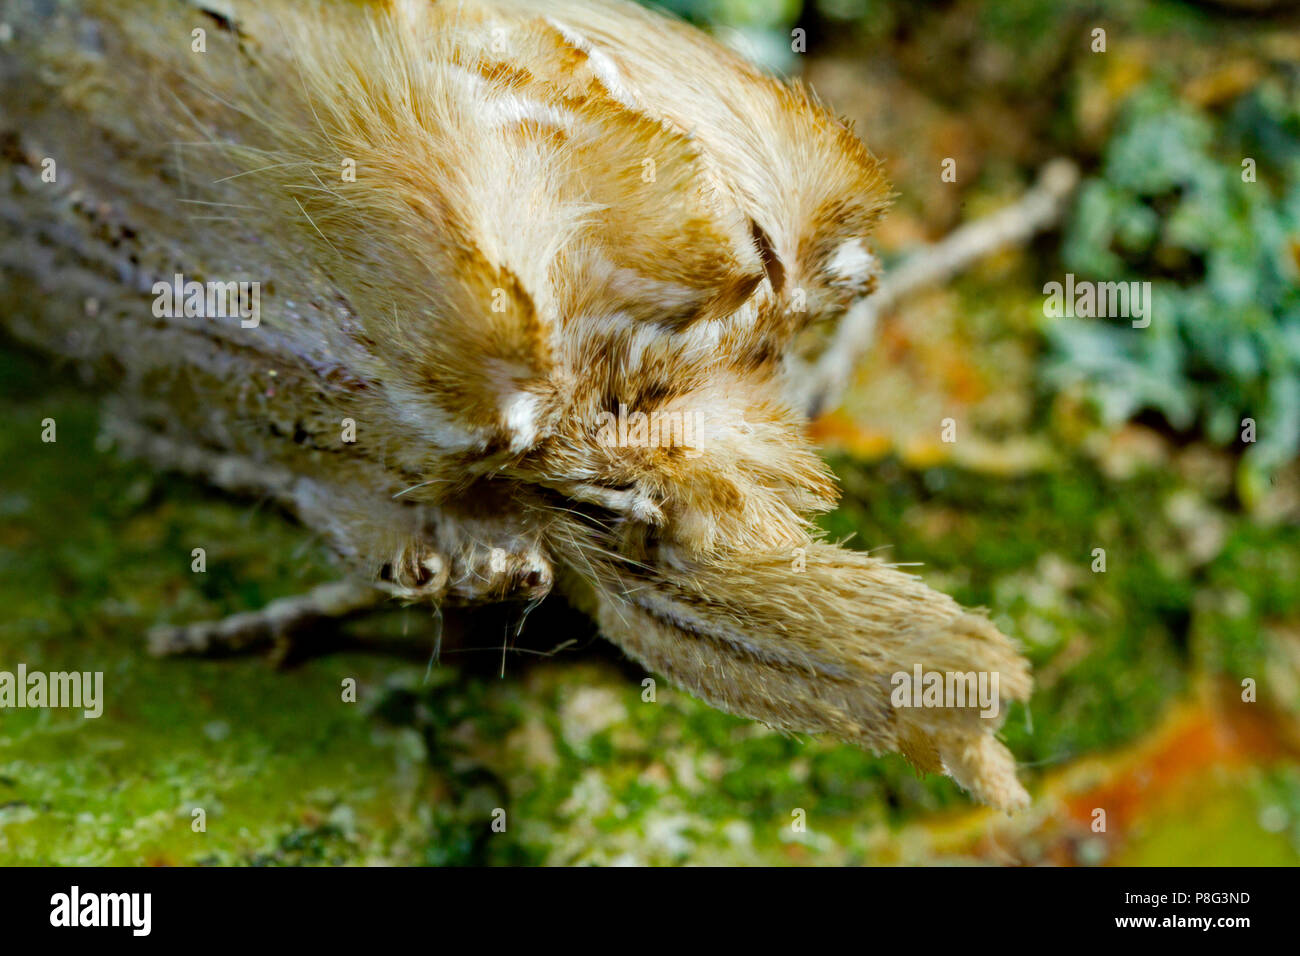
(630, 502)
(418, 574)
(485, 568)
(232, 473)
(274, 625)
(425, 556)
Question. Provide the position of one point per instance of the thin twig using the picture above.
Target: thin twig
(1040, 208)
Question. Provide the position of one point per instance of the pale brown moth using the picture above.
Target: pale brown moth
(502, 249)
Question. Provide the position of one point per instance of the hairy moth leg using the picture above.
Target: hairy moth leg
(819, 651)
(422, 554)
(276, 624)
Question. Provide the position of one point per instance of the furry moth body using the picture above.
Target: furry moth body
(480, 230)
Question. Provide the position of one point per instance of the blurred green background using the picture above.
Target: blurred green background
(1076, 435)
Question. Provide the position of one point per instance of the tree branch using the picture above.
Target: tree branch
(1040, 208)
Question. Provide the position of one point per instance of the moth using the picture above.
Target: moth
(500, 297)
